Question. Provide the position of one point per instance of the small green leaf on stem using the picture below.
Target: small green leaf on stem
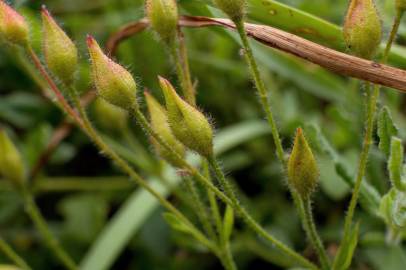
(228, 223)
(346, 251)
(386, 129)
(395, 164)
(176, 223)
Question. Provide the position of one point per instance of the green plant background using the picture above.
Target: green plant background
(116, 226)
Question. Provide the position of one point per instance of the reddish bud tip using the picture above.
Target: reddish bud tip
(89, 40)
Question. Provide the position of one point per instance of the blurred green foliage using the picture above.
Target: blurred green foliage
(302, 95)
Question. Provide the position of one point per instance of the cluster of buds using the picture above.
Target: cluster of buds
(362, 28)
(303, 172)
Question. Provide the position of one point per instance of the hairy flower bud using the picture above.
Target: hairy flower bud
(303, 172)
(163, 17)
(109, 116)
(11, 165)
(362, 28)
(60, 52)
(159, 123)
(189, 125)
(401, 5)
(235, 9)
(113, 82)
(13, 26)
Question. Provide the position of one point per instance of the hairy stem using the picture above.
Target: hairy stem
(41, 225)
(226, 199)
(392, 35)
(310, 228)
(12, 255)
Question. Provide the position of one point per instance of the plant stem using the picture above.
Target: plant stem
(12, 255)
(183, 75)
(91, 132)
(311, 231)
(228, 260)
(260, 85)
(392, 36)
(249, 220)
(225, 198)
(41, 225)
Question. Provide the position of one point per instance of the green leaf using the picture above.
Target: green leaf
(386, 129)
(228, 223)
(176, 223)
(346, 251)
(395, 164)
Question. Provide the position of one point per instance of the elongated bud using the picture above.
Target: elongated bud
(13, 26)
(362, 28)
(303, 172)
(235, 9)
(113, 82)
(401, 5)
(11, 165)
(60, 52)
(159, 123)
(109, 116)
(188, 124)
(163, 17)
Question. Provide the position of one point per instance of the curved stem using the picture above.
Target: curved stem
(91, 132)
(12, 255)
(260, 85)
(315, 239)
(392, 35)
(41, 225)
(232, 201)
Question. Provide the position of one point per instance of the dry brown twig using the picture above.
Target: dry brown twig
(330, 59)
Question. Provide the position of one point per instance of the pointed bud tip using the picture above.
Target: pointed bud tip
(90, 41)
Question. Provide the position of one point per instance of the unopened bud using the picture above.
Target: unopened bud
(11, 165)
(113, 82)
(163, 17)
(235, 9)
(13, 27)
(109, 116)
(159, 123)
(188, 124)
(362, 28)
(303, 172)
(401, 5)
(60, 52)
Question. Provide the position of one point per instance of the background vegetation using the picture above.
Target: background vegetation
(96, 211)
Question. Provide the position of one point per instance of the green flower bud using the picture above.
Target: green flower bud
(13, 27)
(189, 125)
(109, 116)
(11, 165)
(113, 82)
(159, 123)
(163, 17)
(401, 5)
(60, 53)
(362, 28)
(303, 172)
(235, 9)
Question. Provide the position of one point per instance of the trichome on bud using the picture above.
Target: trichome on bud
(188, 124)
(113, 82)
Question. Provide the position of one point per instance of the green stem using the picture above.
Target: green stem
(260, 85)
(249, 220)
(200, 208)
(91, 132)
(41, 225)
(226, 199)
(392, 36)
(311, 231)
(228, 260)
(12, 255)
(183, 77)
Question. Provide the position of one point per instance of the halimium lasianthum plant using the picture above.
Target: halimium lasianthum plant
(206, 211)
(13, 26)
(60, 52)
(362, 28)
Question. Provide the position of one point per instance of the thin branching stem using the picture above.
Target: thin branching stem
(39, 221)
(12, 255)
